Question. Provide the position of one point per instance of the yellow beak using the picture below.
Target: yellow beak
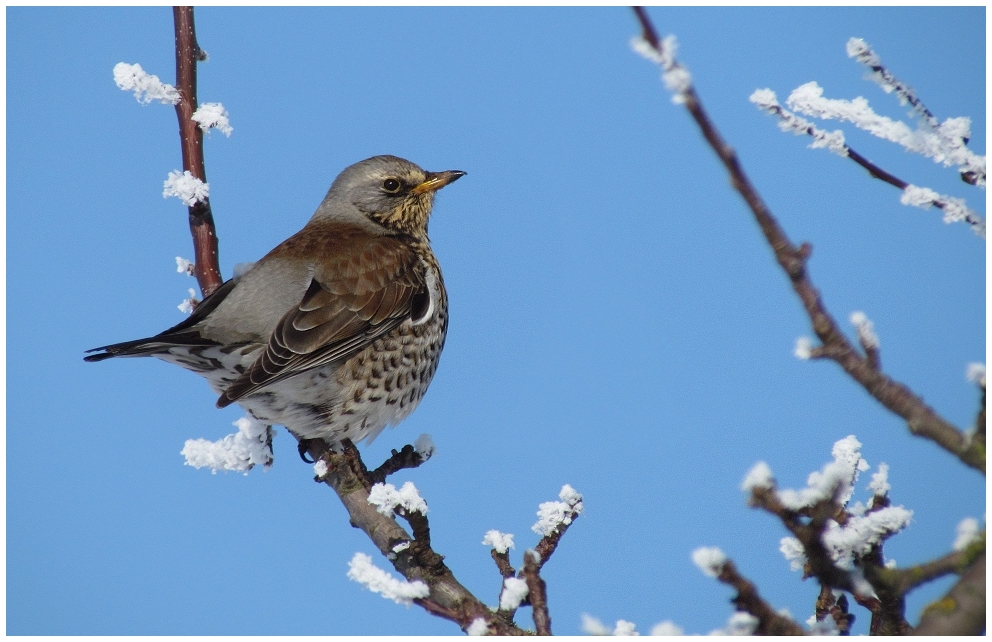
(437, 180)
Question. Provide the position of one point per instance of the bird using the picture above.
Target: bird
(337, 332)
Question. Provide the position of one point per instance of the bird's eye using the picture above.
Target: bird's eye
(391, 185)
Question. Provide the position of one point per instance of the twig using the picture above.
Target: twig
(503, 563)
(546, 547)
(407, 457)
(537, 593)
(808, 528)
(748, 599)
(201, 220)
(921, 420)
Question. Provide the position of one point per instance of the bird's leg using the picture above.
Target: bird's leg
(302, 447)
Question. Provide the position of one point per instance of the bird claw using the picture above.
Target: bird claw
(302, 448)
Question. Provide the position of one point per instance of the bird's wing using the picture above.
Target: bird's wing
(352, 300)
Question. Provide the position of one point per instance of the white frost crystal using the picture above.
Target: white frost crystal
(551, 515)
(186, 187)
(502, 542)
(362, 570)
(710, 560)
(239, 452)
(387, 498)
(145, 86)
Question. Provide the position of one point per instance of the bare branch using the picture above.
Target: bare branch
(537, 593)
(503, 563)
(921, 420)
(201, 220)
(748, 599)
(962, 610)
(956, 562)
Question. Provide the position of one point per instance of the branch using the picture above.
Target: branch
(748, 599)
(201, 219)
(962, 610)
(921, 420)
(448, 598)
(537, 593)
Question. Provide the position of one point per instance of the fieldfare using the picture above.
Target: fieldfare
(337, 332)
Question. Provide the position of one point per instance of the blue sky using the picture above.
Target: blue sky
(617, 321)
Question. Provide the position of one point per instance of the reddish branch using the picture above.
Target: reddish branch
(920, 418)
(201, 220)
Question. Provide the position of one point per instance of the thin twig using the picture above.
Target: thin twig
(405, 458)
(503, 563)
(546, 547)
(201, 220)
(921, 420)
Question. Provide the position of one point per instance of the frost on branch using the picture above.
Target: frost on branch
(502, 542)
(804, 348)
(251, 445)
(320, 468)
(866, 330)
(880, 485)
(976, 373)
(710, 560)
(213, 115)
(386, 498)
(863, 529)
(513, 593)
(479, 626)
(424, 446)
(187, 305)
(740, 623)
(186, 187)
(861, 532)
(551, 515)
(954, 132)
(185, 265)
(955, 209)
(967, 532)
(362, 570)
(758, 477)
(145, 86)
(944, 144)
(836, 480)
(677, 78)
(794, 553)
(767, 101)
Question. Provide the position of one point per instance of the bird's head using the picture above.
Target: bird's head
(388, 191)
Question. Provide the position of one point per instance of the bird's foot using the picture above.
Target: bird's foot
(303, 447)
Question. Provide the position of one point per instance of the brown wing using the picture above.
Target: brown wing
(353, 299)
